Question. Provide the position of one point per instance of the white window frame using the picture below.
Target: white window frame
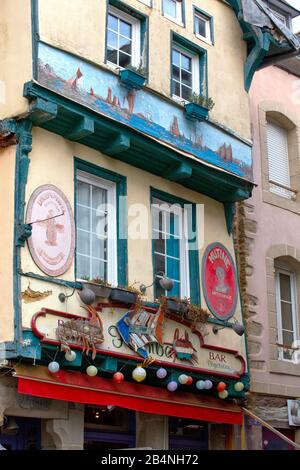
(111, 188)
(136, 37)
(165, 206)
(195, 72)
(278, 309)
(277, 187)
(148, 3)
(178, 19)
(280, 17)
(208, 37)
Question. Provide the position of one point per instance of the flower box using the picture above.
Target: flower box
(123, 296)
(98, 289)
(132, 79)
(178, 308)
(196, 111)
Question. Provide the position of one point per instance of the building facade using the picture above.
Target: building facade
(121, 158)
(268, 225)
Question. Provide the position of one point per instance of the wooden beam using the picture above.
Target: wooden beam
(82, 129)
(42, 111)
(179, 172)
(119, 145)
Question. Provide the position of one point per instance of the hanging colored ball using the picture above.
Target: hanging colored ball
(208, 384)
(161, 373)
(92, 371)
(172, 386)
(53, 367)
(190, 380)
(223, 394)
(118, 377)
(239, 386)
(183, 379)
(221, 387)
(70, 356)
(200, 385)
(139, 374)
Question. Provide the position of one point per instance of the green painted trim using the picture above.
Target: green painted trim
(121, 186)
(194, 267)
(24, 147)
(191, 47)
(209, 17)
(229, 209)
(35, 35)
(52, 280)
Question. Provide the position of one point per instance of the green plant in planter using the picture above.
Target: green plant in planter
(100, 281)
(201, 100)
(140, 70)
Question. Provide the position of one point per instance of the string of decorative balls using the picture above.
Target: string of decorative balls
(139, 374)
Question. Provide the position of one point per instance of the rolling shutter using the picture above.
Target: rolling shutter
(278, 156)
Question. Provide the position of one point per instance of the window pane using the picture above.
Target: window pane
(112, 22)
(158, 291)
(285, 287)
(112, 40)
(176, 57)
(99, 269)
(99, 247)
(186, 93)
(176, 72)
(170, 8)
(159, 262)
(124, 60)
(173, 269)
(99, 223)
(159, 246)
(200, 26)
(83, 242)
(125, 45)
(83, 267)
(125, 29)
(287, 316)
(288, 338)
(83, 218)
(173, 247)
(175, 292)
(99, 197)
(112, 55)
(186, 78)
(83, 193)
(176, 88)
(186, 62)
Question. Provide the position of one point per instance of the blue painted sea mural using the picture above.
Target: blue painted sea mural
(102, 91)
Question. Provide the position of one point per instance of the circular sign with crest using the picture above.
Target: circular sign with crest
(52, 242)
(219, 281)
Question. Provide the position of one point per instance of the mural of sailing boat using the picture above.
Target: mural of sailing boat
(141, 328)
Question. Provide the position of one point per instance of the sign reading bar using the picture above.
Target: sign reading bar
(219, 281)
(52, 241)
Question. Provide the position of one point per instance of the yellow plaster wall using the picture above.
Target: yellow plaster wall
(15, 55)
(78, 26)
(7, 172)
(59, 170)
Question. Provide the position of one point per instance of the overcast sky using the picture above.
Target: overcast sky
(296, 4)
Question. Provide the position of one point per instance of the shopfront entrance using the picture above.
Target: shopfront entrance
(21, 434)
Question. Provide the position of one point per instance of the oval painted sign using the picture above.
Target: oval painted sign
(52, 241)
(219, 281)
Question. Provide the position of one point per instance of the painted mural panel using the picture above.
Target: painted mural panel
(142, 110)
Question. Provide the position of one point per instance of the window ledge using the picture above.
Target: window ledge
(281, 202)
(174, 20)
(284, 367)
(204, 39)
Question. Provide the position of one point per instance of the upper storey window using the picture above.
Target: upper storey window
(173, 9)
(278, 160)
(123, 39)
(185, 73)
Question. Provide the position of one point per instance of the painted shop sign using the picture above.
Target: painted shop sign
(181, 346)
(219, 281)
(52, 242)
(99, 90)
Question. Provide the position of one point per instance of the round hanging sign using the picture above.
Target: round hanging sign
(52, 242)
(219, 281)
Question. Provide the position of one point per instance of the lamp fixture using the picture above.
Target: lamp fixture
(237, 327)
(165, 282)
(62, 297)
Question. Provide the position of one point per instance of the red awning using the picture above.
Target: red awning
(80, 388)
